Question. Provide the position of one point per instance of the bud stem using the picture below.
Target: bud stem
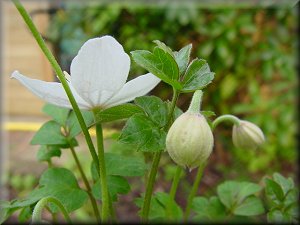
(196, 102)
(37, 211)
(193, 192)
(222, 118)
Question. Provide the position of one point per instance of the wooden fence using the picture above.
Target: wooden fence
(20, 52)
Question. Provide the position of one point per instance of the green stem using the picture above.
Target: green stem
(193, 192)
(106, 205)
(86, 182)
(196, 102)
(60, 75)
(150, 185)
(172, 108)
(54, 215)
(175, 182)
(223, 118)
(173, 190)
(155, 163)
(37, 211)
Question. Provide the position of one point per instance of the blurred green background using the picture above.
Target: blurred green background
(252, 52)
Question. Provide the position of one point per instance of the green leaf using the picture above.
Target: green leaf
(59, 183)
(73, 124)
(25, 214)
(208, 114)
(49, 134)
(232, 193)
(143, 134)
(247, 189)
(159, 210)
(164, 47)
(183, 58)
(276, 216)
(116, 185)
(174, 212)
(46, 152)
(159, 63)
(6, 210)
(58, 114)
(156, 211)
(197, 76)
(124, 166)
(177, 112)
(211, 210)
(285, 184)
(117, 112)
(273, 190)
(251, 206)
(155, 109)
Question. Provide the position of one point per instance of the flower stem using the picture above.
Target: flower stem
(150, 185)
(223, 118)
(155, 163)
(196, 102)
(37, 211)
(106, 205)
(193, 191)
(86, 182)
(175, 182)
(173, 190)
(60, 75)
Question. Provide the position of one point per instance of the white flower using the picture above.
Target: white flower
(98, 76)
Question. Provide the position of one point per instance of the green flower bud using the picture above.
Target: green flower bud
(190, 140)
(247, 135)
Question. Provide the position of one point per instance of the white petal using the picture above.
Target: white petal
(51, 92)
(99, 70)
(132, 89)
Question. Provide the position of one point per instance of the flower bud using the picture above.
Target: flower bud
(247, 135)
(190, 140)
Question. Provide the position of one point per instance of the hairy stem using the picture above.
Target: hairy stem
(193, 192)
(37, 211)
(155, 163)
(196, 102)
(60, 75)
(223, 118)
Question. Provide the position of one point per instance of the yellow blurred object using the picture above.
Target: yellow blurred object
(34, 126)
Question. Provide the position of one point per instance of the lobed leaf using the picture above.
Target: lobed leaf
(117, 112)
(49, 134)
(124, 166)
(155, 109)
(197, 76)
(159, 210)
(59, 114)
(208, 209)
(46, 152)
(164, 47)
(160, 63)
(273, 190)
(59, 183)
(251, 206)
(73, 124)
(182, 58)
(232, 193)
(116, 185)
(143, 134)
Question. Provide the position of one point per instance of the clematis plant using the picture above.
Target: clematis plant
(98, 76)
(98, 83)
